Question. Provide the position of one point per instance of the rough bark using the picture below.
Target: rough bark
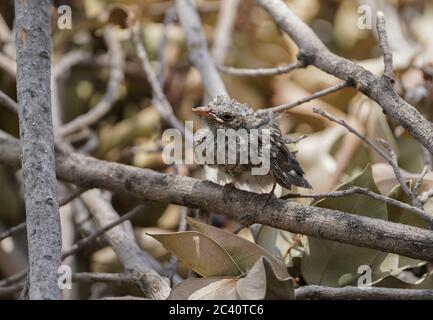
(298, 218)
(33, 41)
(355, 293)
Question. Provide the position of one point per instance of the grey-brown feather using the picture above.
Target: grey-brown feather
(284, 168)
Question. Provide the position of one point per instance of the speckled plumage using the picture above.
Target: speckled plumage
(225, 113)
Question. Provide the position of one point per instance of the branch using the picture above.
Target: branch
(355, 293)
(358, 190)
(117, 278)
(161, 101)
(86, 241)
(33, 42)
(22, 226)
(316, 95)
(313, 52)
(189, 192)
(112, 92)
(383, 42)
(260, 71)
(131, 256)
(391, 158)
(198, 50)
(224, 29)
(8, 102)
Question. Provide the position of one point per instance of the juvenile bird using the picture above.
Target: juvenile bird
(225, 113)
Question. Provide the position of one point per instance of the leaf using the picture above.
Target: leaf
(282, 244)
(244, 252)
(334, 264)
(200, 253)
(425, 282)
(386, 181)
(184, 289)
(260, 283)
(224, 289)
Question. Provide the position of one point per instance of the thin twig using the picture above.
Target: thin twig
(359, 190)
(161, 101)
(22, 226)
(260, 71)
(170, 16)
(383, 41)
(8, 102)
(91, 277)
(86, 241)
(390, 158)
(316, 95)
(112, 92)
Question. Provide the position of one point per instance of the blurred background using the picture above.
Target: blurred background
(131, 132)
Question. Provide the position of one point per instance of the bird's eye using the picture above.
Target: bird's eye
(227, 117)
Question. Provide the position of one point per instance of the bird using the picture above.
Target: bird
(223, 112)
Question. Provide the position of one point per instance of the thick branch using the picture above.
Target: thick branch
(317, 222)
(355, 293)
(33, 41)
(132, 257)
(198, 50)
(314, 52)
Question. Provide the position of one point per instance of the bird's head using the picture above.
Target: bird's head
(225, 113)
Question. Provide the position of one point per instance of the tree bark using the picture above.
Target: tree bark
(286, 215)
(33, 42)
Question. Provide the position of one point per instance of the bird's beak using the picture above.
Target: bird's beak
(202, 111)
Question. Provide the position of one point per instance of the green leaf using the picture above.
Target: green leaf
(244, 252)
(200, 253)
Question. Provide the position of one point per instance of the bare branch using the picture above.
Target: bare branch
(318, 94)
(189, 192)
(112, 92)
(260, 71)
(383, 41)
(355, 293)
(33, 42)
(392, 160)
(170, 16)
(22, 226)
(358, 190)
(86, 241)
(8, 102)
(117, 278)
(138, 262)
(161, 101)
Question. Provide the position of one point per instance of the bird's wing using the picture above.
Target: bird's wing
(284, 166)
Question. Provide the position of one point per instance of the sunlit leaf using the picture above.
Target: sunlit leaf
(200, 253)
(244, 252)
